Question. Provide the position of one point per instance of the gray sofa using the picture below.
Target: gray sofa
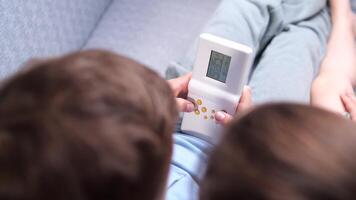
(154, 32)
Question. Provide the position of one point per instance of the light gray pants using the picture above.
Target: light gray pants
(288, 36)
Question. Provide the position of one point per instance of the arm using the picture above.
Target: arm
(337, 74)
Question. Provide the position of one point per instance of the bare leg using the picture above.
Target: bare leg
(338, 70)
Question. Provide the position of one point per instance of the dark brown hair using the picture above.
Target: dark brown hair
(284, 151)
(89, 125)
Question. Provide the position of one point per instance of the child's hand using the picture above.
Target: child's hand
(180, 89)
(327, 89)
(349, 101)
(244, 105)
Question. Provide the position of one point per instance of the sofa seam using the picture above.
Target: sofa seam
(97, 24)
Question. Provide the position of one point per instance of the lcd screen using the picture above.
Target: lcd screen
(219, 65)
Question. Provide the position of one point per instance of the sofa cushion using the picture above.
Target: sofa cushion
(153, 32)
(40, 28)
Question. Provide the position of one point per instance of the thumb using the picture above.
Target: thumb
(350, 105)
(223, 118)
(185, 105)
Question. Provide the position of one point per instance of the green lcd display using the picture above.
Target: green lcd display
(219, 65)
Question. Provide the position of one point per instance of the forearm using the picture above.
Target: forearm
(339, 59)
(337, 71)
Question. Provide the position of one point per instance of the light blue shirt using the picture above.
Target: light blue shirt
(190, 156)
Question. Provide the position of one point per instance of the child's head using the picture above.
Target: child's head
(90, 125)
(284, 151)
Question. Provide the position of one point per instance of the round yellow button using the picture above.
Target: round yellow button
(204, 109)
(206, 117)
(197, 112)
(199, 102)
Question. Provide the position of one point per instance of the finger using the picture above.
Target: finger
(245, 100)
(350, 105)
(187, 76)
(223, 118)
(183, 84)
(180, 85)
(185, 105)
(349, 102)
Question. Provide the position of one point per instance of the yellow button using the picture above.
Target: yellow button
(206, 117)
(199, 102)
(197, 112)
(204, 109)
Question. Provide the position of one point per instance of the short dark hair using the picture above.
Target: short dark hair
(284, 151)
(89, 125)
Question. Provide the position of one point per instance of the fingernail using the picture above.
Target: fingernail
(220, 116)
(190, 107)
(246, 88)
